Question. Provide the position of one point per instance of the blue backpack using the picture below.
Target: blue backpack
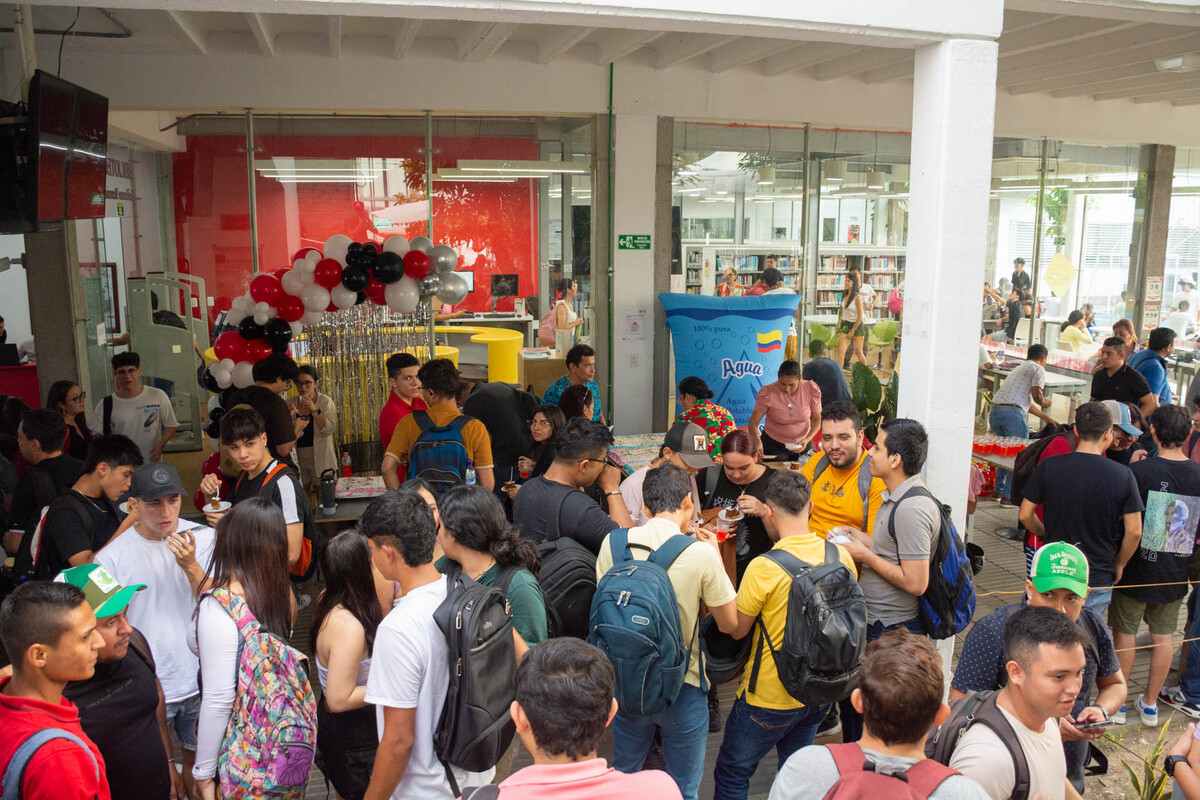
(439, 455)
(635, 621)
(948, 604)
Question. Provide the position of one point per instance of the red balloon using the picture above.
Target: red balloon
(375, 292)
(230, 344)
(279, 273)
(328, 273)
(416, 264)
(290, 307)
(302, 252)
(257, 350)
(332, 308)
(265, 289)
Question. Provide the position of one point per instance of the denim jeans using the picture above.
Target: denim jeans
(1189, 681)
(750, 733)
(1006, 420)
(684, 739)
(1098, 600)
(852, 723)
(1076, 754)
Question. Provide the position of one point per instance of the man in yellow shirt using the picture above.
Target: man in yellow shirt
(769, 717)
(843, 490)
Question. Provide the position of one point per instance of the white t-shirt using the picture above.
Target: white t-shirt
(1014, 391)
(142, 418)
(981, 756)
(868, 297)
(631, 493)
(1179, 321)
(163, 610)
(409, 669)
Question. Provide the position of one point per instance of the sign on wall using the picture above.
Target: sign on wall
(734, 343)
(633, 241)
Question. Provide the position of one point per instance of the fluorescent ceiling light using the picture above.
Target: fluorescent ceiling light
(876, 180)
(359, 181)
(835, 171)
(1189, 62)
(766, 175)
(545, 168)
(354, 170)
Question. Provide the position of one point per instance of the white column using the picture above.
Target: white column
(954, 99)
(635, 140)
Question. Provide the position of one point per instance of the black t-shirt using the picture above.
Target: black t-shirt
(42, 483)
(1014, 318)
(275, 413)
(752, 537)
(545, 510)
(117, 708)
(1126, 385)
(1170, 491)
(829, 378)
(1021, 281)
(306, 436)
(1085, 497)
(505, 412)
(74, 523)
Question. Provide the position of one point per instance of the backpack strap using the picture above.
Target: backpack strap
(923, 777)
(916, 491)
(987, 713)
(423, 420)
(489, 792)
(849, 758)
(618, 543)
(139, 645)
(558, 514)
(864, 491)
(14, 773)
(458, 423)
(108, 412)
(668, 551)
(792, 566)
(927, 775)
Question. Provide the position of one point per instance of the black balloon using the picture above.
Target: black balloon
(389, 268)
(370, 247)
(353, 248)
(216, 414)
(279, 334)
(355, 278)
(208, 381)
(249, 329)
(213, 430)
(362, 298)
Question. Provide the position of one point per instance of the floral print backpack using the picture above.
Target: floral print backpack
(271, 738)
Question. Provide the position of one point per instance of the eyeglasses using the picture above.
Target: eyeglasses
(539, 423)
(597, 460)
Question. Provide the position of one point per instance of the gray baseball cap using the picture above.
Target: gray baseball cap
(690, 441)
(1122, 418)
(152, 481)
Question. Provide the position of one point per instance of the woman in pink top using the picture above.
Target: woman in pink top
(791, 408)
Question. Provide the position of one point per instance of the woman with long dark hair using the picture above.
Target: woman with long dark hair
(477, 539)
(851, 316)
(739, 483)
(343, 636)
(577, 401)
(248, 575)
(67, 398)
(543, 430)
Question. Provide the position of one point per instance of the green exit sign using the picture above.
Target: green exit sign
(633, 241)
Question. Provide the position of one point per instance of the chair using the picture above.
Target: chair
(820, 333)
(883, 335)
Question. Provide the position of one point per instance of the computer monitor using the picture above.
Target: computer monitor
(504, 285)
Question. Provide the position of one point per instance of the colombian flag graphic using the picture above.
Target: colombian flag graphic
(769, 341)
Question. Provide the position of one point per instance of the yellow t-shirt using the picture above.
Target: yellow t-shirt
(475, 435)
(697, 575)
(764, 592)
(836, 499)
(1071, 338)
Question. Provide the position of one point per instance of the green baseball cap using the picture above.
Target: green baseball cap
(1060, 565)
(106, 597)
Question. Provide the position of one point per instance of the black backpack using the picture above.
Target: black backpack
(568, 580)
(476, 728)
(825, 634)
(1027, 460)
(979, 708)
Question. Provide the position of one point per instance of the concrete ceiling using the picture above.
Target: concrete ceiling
(1059, 54)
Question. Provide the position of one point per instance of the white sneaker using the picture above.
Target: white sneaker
(1149, 714)
(1119, 718)
(1172, 695)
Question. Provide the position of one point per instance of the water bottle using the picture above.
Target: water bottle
(470, 477)
(328, 493)
(347, 465)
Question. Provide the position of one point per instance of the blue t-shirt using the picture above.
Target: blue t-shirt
(1151, 366)
(555, 393)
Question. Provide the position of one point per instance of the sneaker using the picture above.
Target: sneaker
(832, 724)
(1172, 696)
(1119, 718)
(1149, 714)
(1188, 709)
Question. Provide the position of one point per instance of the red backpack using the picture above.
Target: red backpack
(858, 778)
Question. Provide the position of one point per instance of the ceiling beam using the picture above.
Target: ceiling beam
(804, 55)
(864, 60)
(742, 52)
(1058, 33)
(1082, 80)
(404, 36)
(1192, 102)
(617, 44)
(900, 71)
(1113, 49)
(335, 36)
(186, 25)
(1167, 95)
(559, 41)
(680, 47)
(261, 29)
(482, 40)
(1117, 90)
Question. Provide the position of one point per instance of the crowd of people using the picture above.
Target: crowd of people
(518, 580)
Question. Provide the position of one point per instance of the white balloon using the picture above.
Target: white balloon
(313, 317)
(395, 244)
(226, 364)
(402, 296)
(343, 297)
(293, 281)
(262, 317)
(300, 262)
(454, 288)
(336, 246)
(243, 374)
(311, 260)
(243, 303)
(235, 315)
(223, 378)
(264, 308)
(421, 243)
(316, 298)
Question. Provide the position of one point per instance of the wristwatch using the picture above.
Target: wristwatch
(1169, 764)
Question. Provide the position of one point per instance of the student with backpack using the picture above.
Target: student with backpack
(796, 668)
(49, 631)
(645, 617)
(479, 542)
(258, 715)
(409, 676)
(899, 696)
(1009, 742)
(441, 444)
(844, 492)
(244, 436)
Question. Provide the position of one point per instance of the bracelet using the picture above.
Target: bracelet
(610, 494)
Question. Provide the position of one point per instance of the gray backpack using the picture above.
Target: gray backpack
(14, 773)
(864, 485)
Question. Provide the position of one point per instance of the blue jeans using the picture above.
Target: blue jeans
(1189, 681)
(852, 721)
(1098, 600)
(684, 739)
(750, 733)
(1006, 420)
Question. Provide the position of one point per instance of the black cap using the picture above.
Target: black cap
(152, 481)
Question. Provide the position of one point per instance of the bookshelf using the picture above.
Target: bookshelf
(704, 263)
(881, 267)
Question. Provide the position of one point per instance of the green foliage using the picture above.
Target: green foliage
(1150, 782)
(875, 404)
(820, 333)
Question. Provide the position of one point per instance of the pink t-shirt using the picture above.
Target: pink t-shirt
(788, 416)
(587, 780)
